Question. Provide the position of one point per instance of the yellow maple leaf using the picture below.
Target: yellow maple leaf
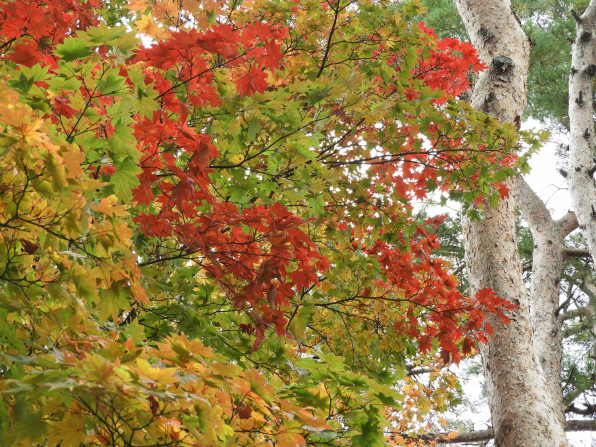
(68, 432)
(136, 5)
(149, 26)
(108, 206)
(289, 439)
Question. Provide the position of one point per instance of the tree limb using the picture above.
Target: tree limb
(568, 223)
(585, 311)
(577, 253)
(417, 371)
(581, 425)
(532, 208)
(472, 436)
(547, 268)
(487, 435)
(590, 410)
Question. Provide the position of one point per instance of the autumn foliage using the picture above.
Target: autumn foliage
(209, 227)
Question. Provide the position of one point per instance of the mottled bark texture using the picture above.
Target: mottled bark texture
(582, 164)
(522, 410)
(547, 267)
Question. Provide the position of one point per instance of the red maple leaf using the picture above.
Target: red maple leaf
(253, 81)
(26, 53)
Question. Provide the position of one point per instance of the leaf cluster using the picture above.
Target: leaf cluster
(210, 239)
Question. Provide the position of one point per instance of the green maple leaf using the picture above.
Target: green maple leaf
(125, 179)
(73, 49)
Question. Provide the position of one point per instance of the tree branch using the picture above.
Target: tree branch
(328, 46)
(581, 425)
(568, 223)
(531, 206)
(585, 311)
(473, 436)
(576, 253)
(590, 410)
(487, 435)
(418, 371)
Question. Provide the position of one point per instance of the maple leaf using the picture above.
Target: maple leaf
(254, 80)
(273, 56)
(401, 187)
(485, 295)
(143, 194)
(293, 247)
(26, 53)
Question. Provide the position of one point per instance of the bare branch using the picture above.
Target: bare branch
(575, 16)
(590, 410)
(473, 436)
(487, 435)
(576, 253)
(418, 371)
(568, 223)
(532, 208)
(576, 313)
(581, 425)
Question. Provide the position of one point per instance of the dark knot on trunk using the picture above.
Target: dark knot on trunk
(502, 64)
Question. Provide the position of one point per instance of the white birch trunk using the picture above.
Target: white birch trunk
(581, 119)
(522, 412)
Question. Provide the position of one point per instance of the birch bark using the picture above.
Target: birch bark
(581, 119)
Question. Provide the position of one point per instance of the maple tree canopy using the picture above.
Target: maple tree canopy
(207, 224)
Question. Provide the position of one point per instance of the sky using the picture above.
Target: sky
(545, 178)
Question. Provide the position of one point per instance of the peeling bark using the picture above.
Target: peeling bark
(524, 409)
(582, 163)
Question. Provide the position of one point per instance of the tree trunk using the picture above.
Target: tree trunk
(547, 267)
(581, 120)
(523, 411)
